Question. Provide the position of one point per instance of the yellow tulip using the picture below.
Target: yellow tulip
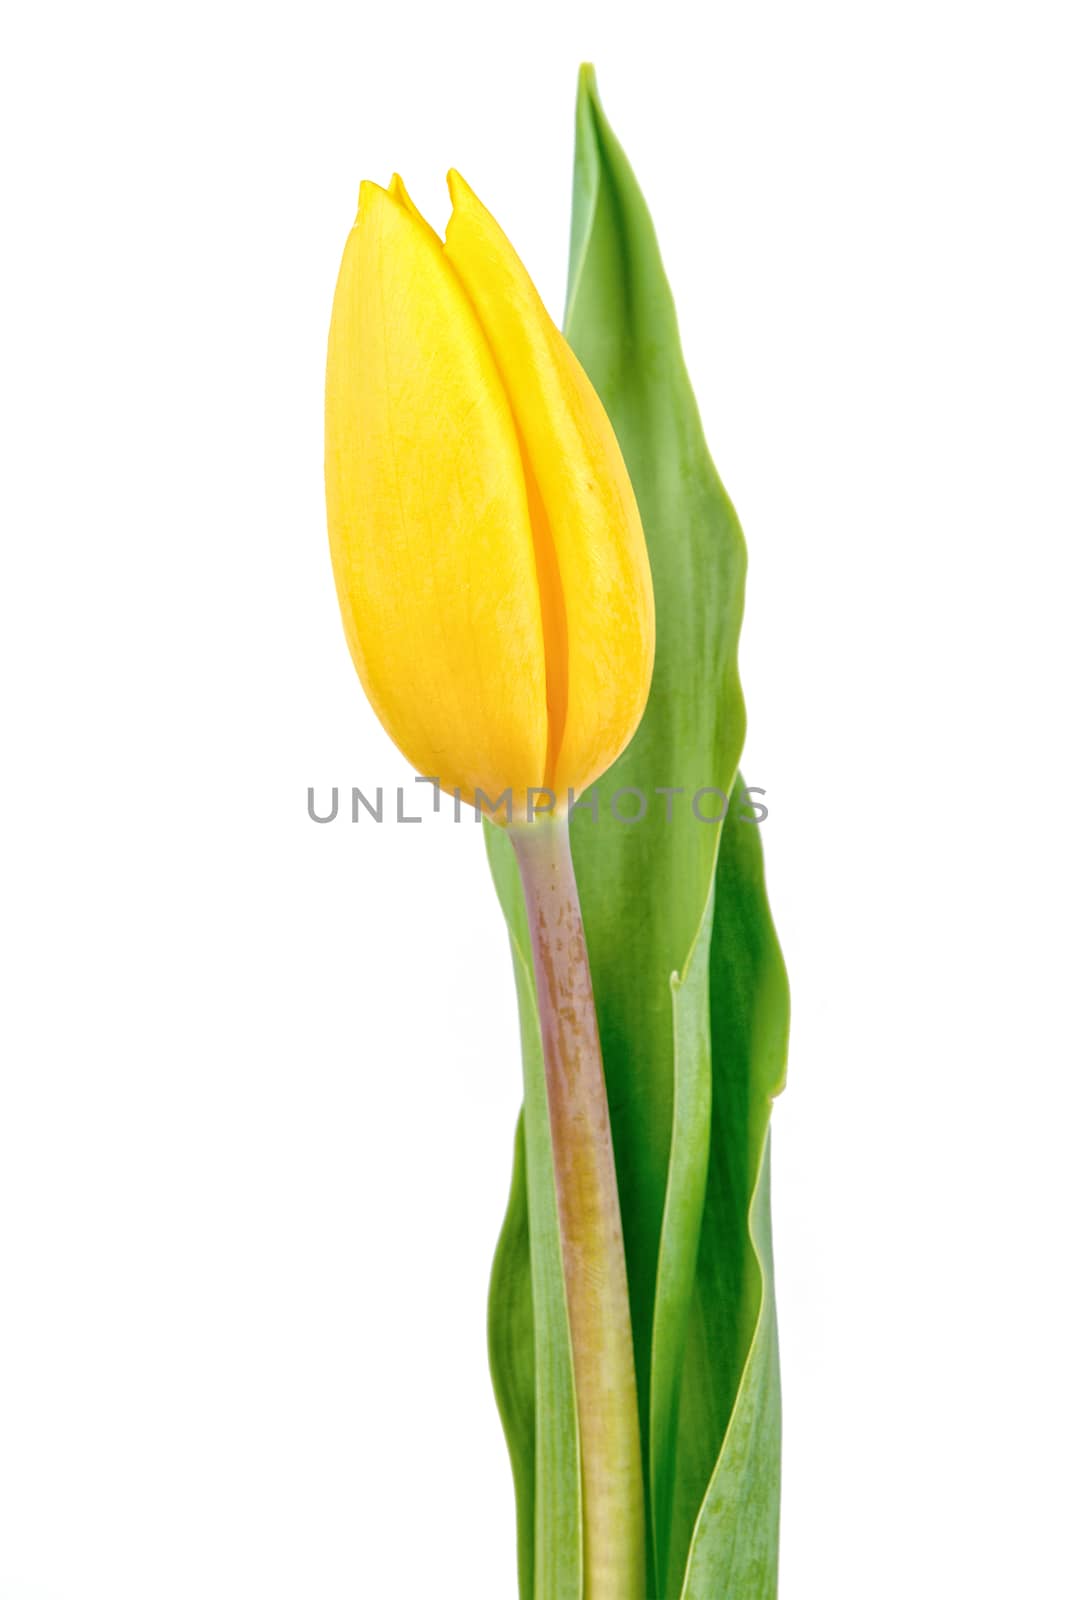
(486, 543)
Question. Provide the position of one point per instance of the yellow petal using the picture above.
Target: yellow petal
(426, 503)
(596, 586)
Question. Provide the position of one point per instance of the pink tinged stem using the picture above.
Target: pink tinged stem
(587, 1196)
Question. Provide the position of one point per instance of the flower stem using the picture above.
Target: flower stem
(587, 1196)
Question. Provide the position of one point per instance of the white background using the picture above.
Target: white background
(259, 1077)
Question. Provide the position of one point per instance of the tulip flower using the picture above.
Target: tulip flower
(495, 591)
(486, 543)
(496, 595)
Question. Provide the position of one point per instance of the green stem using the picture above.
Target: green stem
(587, 1197)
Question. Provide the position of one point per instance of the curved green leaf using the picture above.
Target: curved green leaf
(513, 1356)
(652, 989)
(729, 1446)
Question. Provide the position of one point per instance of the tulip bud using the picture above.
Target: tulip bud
(486, 544)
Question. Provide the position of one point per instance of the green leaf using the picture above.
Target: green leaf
(728, 1459)
(622, 323)
(512, 1356)
(690, 990)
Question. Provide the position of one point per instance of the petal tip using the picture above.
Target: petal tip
(399, 194)
(370, 195)
(459, 190)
